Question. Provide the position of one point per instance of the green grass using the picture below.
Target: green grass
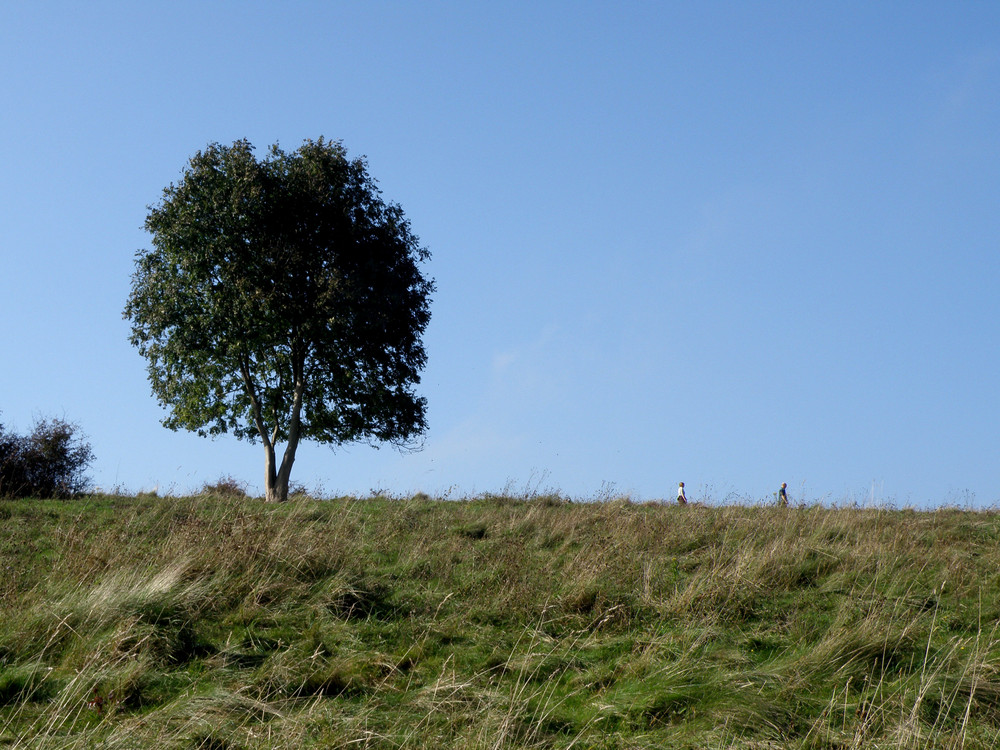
(215, 622)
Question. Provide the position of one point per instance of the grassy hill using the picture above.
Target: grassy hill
(495, 623)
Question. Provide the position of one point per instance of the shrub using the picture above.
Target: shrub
(226, 487)
(50, 462)
(13, 475)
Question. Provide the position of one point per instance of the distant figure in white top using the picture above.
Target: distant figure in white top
(783, 496)
(681, 499)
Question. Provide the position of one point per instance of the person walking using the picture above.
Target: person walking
(783, 496)
(681, 498)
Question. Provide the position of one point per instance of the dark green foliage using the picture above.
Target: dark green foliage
(13, 464)
(282, 300)
(49, 463)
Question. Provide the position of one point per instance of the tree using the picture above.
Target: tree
(282, 300)
(50, 462)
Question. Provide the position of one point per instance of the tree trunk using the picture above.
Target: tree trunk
(277, 492)
(276, 479)
(274, 491)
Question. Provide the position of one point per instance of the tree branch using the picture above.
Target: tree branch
(254, 402)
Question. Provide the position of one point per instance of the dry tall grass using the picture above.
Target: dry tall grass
(495, 623)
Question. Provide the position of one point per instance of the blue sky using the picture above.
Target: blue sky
(732, 244)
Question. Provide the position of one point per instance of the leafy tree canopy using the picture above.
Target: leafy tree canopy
(282, 299)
